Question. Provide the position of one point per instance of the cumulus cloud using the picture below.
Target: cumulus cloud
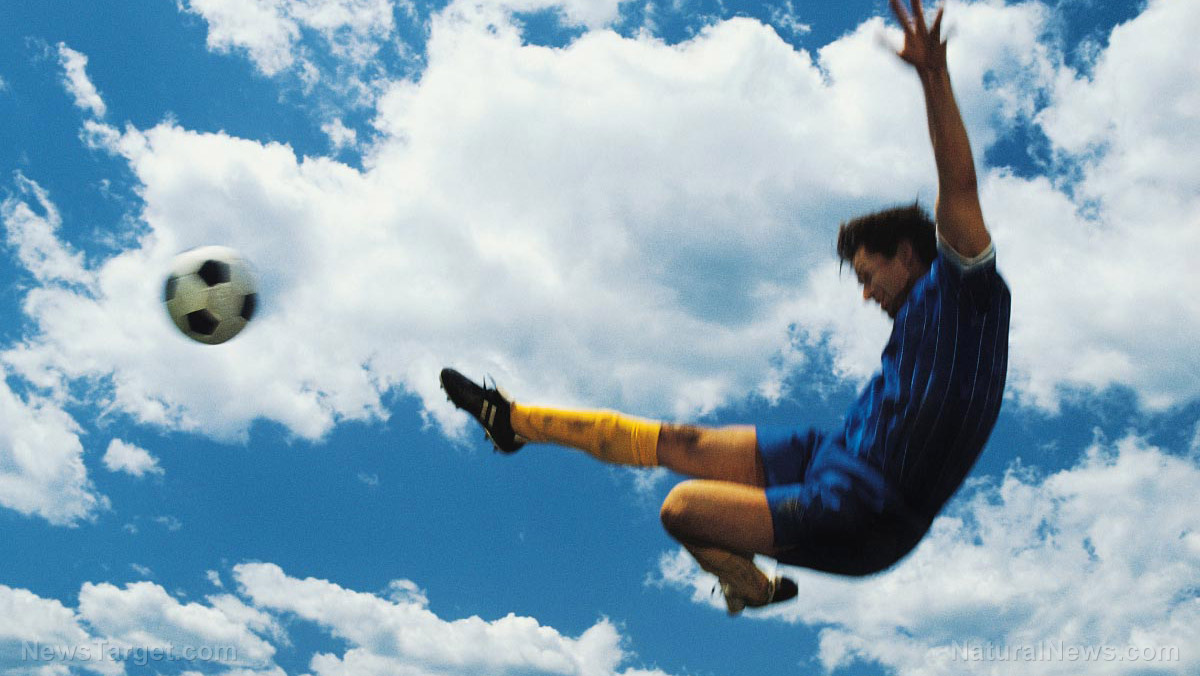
(400, 635)
(620, 222)
(1103, 555)
(261, 27)
(77, 82)
(39, 635)
(653, 243)
(41, 461)
(141, 624)
(1094, 250)
(114, 627)
(144, 616)
(271, 32)
(347, 36)
(123, 456)
(1112, 240)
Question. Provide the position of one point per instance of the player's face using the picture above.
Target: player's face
(885, 279)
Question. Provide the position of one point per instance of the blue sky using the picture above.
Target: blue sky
(624, 205)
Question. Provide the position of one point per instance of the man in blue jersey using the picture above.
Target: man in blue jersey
(854, 500)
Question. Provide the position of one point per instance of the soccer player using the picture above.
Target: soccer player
(856, 499)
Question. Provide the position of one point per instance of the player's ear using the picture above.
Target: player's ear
(906, 255)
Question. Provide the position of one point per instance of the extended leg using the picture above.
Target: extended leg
(722, 519)
(607, 435)
(721, 453)
(724, 453)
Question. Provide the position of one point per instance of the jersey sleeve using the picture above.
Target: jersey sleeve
(963, 265)
(972, 280)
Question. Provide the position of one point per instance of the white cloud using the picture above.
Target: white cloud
(261, 27)
(648, 482)
(254, 619)
(99, 136)
(33, 236)
(1115, 253)
(76, 80)
(273, 33)
(584, 253)
(786, 18)
(593, 14)
(142, 625)
(353, 29)
(41, 468)
(340, 136)
(144, 616)
(1104, 554)
(400, 635)
(125, 457)
(619, 223)
(42, 636)
(273, 671)
(41, 461)
(407, 591)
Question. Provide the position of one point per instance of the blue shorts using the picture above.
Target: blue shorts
(830, 510)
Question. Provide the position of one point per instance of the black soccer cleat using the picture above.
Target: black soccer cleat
(487, 405)
(782, 589)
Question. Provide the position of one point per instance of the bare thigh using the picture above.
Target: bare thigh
(730, 516)
(718, 453)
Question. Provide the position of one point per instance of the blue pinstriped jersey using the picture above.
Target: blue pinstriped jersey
(923, 419)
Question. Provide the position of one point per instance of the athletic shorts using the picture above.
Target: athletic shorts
(831, 511)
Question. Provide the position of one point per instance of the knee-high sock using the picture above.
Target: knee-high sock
(609, 436)
(735, 569)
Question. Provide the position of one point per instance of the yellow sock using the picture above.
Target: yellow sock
(609, 436)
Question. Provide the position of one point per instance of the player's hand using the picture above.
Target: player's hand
(924, 47)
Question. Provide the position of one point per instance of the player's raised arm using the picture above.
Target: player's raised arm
(959, 216)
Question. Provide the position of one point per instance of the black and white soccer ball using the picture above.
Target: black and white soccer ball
(210, 294)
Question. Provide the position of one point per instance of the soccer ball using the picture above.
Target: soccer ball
(210, 294)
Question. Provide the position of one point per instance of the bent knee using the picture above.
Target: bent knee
(677, 510)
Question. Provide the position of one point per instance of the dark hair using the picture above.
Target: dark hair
(881, 233)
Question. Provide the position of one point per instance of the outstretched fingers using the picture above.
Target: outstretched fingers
(918, 17)
(923, 47)
(901, 14)
(916, 24)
